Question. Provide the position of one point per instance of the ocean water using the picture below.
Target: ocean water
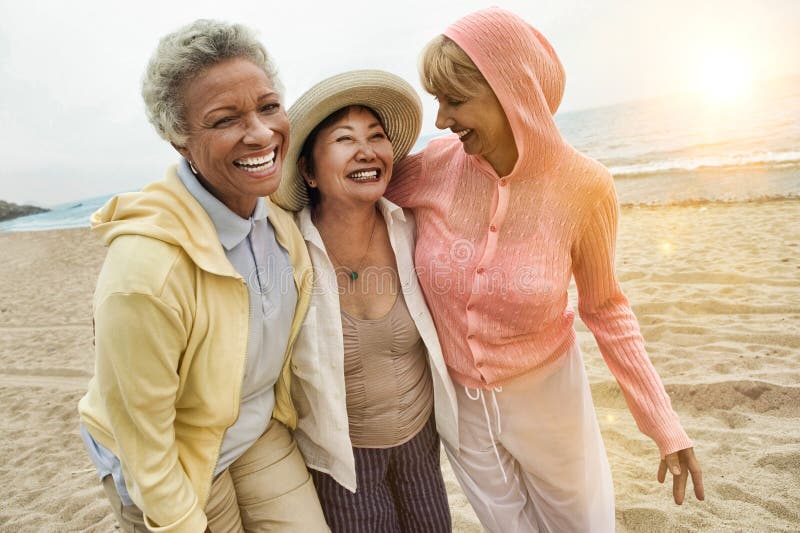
(683, 150)
(68, 215)
(664, 151)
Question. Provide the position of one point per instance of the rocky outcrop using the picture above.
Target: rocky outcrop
(9, 210)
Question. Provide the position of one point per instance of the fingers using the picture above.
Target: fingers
(697, 475)
(671, 463)
(682, 464)
(697, 481)
(662, 471)
(674, 463)
(679, 484)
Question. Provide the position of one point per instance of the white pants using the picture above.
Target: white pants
(540, 432)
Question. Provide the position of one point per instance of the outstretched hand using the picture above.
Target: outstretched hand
(681, 464)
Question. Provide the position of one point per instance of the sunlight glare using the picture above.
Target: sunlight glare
(724, 76)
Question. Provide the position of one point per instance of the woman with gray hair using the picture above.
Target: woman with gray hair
(198, 305)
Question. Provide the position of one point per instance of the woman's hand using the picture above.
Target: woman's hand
(681, 464)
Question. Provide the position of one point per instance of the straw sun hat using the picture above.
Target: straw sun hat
(390, 96)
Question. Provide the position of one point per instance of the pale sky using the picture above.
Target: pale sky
(72, 120)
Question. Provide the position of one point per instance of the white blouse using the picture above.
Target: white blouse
(318, 387)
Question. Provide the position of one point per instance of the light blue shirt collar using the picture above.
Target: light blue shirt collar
(231, 228)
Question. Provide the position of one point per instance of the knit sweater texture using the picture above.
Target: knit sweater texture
(495, 255)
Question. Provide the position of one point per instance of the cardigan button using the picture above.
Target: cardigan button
(492, 228)
(480, 270)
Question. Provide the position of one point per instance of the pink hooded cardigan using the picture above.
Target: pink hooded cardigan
(495, 255)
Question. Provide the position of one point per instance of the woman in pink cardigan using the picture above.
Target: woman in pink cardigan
(507, 213)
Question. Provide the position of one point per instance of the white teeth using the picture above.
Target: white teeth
(257, 163)
(259, 168)
(462, 133)
(364, 175)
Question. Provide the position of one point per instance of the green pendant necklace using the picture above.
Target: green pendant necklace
(352, 273)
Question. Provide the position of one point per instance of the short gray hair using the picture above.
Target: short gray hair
(184, 54)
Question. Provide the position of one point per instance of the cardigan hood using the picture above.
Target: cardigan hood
(165, 391)
(525, 74)
(166, 211)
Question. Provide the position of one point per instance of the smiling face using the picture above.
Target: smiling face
(351, 160)
(238, 133)
(481, 124)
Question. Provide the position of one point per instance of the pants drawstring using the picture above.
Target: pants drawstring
(479, 394)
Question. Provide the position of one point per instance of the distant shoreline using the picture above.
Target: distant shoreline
(624, 207)
(718, 202)
(10, 210)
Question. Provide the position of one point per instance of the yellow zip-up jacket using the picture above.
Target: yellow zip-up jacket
(171, 324)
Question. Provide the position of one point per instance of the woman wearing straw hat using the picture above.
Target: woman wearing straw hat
(368, 368)
(507, 213)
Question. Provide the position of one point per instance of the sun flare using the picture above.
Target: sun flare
(724, 76)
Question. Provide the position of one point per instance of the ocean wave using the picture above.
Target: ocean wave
(702, 202)
(770, 159)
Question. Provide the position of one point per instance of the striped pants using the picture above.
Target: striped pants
(400, 489)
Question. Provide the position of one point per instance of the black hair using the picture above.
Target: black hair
(306, 153)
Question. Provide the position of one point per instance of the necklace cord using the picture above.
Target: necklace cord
(353, 275)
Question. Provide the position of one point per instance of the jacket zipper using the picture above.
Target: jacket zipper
(238, 405)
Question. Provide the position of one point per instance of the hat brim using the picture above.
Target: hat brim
(390, 96)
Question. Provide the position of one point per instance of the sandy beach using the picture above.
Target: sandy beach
(716, 288)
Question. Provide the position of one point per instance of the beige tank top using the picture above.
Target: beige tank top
(387, 379)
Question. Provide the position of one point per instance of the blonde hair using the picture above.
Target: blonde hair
(445, 69)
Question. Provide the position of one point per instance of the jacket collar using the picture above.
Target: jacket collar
(167, 211)
(231, 228)
(390, 211)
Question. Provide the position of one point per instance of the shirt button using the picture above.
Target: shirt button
(470, 307)
(492, 228)
(479, 364)
(480, 270)
(503, 182)
(470, 337)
